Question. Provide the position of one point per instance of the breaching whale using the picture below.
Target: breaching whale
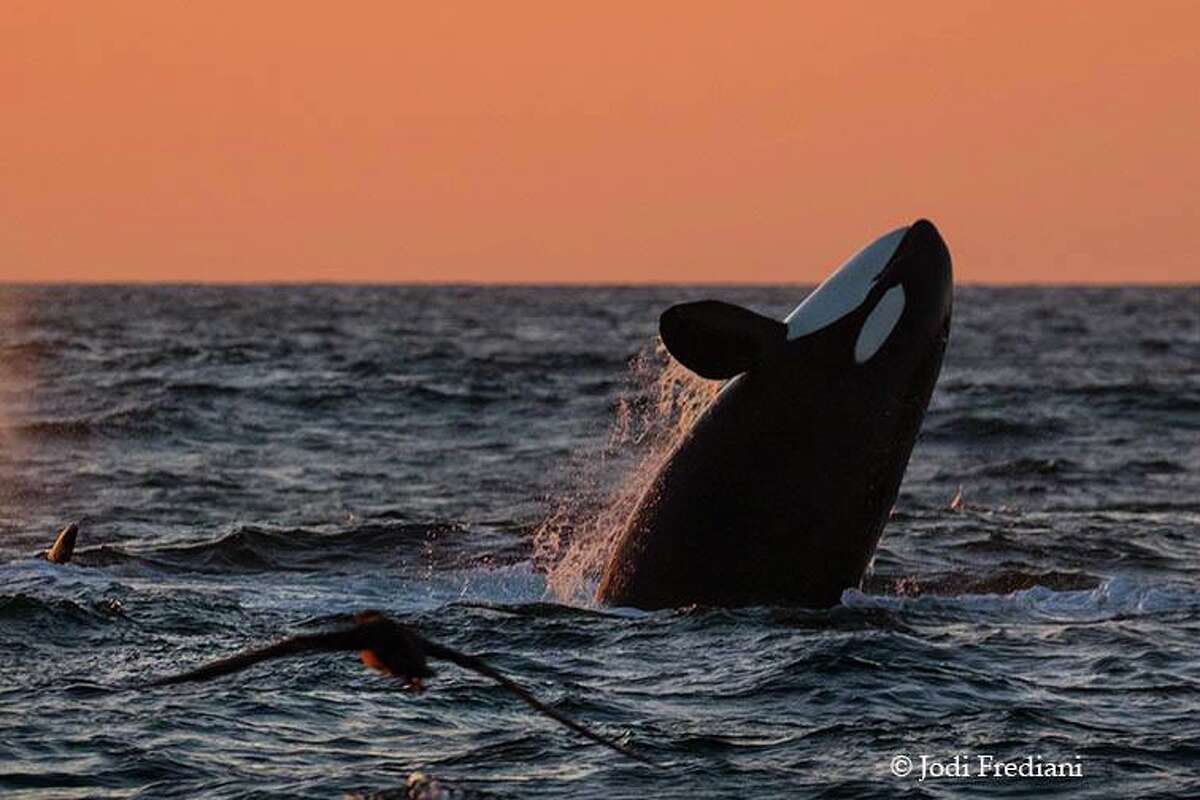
(780, 491)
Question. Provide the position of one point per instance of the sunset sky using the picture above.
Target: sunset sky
(600, 142)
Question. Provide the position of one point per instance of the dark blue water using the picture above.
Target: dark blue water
(248, 462)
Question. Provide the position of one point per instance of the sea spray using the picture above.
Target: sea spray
(659, 404)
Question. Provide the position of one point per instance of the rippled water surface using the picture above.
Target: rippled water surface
(249, 462)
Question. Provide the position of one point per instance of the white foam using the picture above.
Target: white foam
(1114, 598)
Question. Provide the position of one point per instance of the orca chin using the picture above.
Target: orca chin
(779, 493)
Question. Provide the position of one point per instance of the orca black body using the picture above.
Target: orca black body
(780, 492)
(64, 545)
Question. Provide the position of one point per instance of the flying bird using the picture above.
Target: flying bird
(393, 649)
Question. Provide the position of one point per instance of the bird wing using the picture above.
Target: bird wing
(478, 665)
(350, 639)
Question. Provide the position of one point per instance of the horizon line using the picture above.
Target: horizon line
(602, 284)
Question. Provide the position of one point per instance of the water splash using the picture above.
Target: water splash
(660, 403)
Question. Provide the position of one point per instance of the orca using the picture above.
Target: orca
(780, 491)
(64, 545)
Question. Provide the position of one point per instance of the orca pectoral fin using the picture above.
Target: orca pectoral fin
(719, 340)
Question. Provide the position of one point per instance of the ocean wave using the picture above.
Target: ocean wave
(1115, 598)
(1020, 467)
(136, 419)
(973, 426)
(30, 353)
(1005, 581)
(251, 548)
(24, 609)
(1154, 466)
(203, 389)
(1139, 394)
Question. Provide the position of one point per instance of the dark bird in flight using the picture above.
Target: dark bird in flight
(393, 649)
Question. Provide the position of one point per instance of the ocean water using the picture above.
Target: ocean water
(248, 463)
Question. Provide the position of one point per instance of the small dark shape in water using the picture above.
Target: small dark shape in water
(64, 545)
(394, 650)
(420, 786)
(1004, 582)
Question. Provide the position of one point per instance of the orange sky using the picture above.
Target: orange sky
(617, 142)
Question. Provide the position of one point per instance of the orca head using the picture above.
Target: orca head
(899, 285)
